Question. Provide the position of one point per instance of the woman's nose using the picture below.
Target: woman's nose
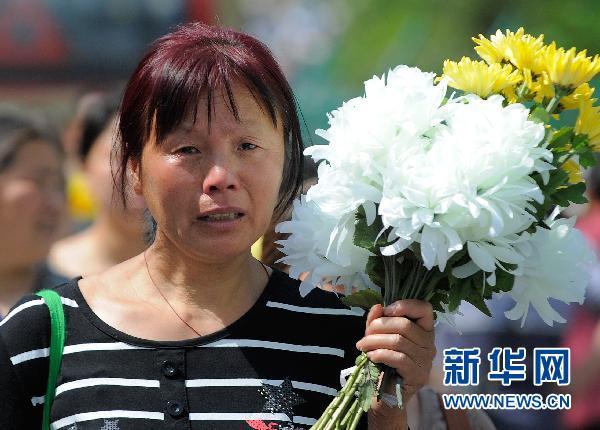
(220, 177)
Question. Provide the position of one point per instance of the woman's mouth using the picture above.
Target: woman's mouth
(227, 216)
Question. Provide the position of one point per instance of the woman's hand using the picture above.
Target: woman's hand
(400, 336)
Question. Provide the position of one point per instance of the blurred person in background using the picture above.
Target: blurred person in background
(31, 206)
(582, 334)
(116, 232)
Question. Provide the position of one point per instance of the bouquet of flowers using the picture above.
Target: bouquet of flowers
(447, 196)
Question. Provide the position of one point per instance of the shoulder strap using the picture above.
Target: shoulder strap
(456, 419)
(57, 343)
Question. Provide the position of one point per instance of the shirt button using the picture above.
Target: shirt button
(169, 369)
(175, 409)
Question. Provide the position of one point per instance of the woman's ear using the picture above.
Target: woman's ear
(136, 177)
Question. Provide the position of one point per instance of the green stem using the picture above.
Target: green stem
(356, 420)
(343, 406)
(552, 105)
(350, 414)
(332, 413)
(521, 91)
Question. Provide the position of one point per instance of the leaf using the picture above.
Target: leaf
(374, 371)
(437, 299)
(580, 142)
(476, 299)
(458, 291)
(587, 159)
(364, 299)
(561, 138)
(540, 114)
(365, 395)
(573, 193)
(364, 234)
(504, 281)
(376, 270)
(558, 177)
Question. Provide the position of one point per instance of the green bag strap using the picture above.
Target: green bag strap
(57, 344)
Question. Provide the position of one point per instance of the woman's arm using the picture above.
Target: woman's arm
(400, 336)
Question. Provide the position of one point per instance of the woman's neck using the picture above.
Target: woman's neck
(13, 285)
(220, 288)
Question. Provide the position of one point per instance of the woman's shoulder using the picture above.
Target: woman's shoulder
(27, 326)
(320, 314)
(25, 340)
(287, 290)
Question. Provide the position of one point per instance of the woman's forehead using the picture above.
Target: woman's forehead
(240, 106)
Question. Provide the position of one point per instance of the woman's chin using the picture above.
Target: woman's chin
(221, 249)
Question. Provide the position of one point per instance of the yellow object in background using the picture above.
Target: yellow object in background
(79, 199)
(257, 248)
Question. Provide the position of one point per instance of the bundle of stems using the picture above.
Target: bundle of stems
(404, 278)
(345, 411)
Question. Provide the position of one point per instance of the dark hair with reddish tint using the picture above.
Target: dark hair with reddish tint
(195, 60)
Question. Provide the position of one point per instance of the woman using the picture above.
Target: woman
(194, 332)
(31, 205)
(116, 233)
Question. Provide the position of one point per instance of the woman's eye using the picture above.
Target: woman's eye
(187, 150)
(246, 146)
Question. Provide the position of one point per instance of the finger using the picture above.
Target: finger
(375, 312)
(411, 372)
(395, 342)
(402, 326)
(419, 311)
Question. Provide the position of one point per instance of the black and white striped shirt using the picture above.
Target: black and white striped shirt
(277, 367)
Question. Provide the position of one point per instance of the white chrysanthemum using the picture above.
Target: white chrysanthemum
(557, 266)
(468, 183)
(337, 194)
(322, 245)
(361, 131)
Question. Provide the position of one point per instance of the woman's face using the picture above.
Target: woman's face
(31, 205)
(212, 189)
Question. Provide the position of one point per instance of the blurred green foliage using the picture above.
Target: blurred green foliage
(423, 33)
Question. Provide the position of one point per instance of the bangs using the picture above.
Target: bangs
(182, 84)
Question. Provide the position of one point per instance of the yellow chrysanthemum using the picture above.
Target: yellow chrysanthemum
(542, 88)
(588, 123)
(521, 49)
(567, 68)
(480, 78)
(492, 50)
(573, 168)
(582, 92)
